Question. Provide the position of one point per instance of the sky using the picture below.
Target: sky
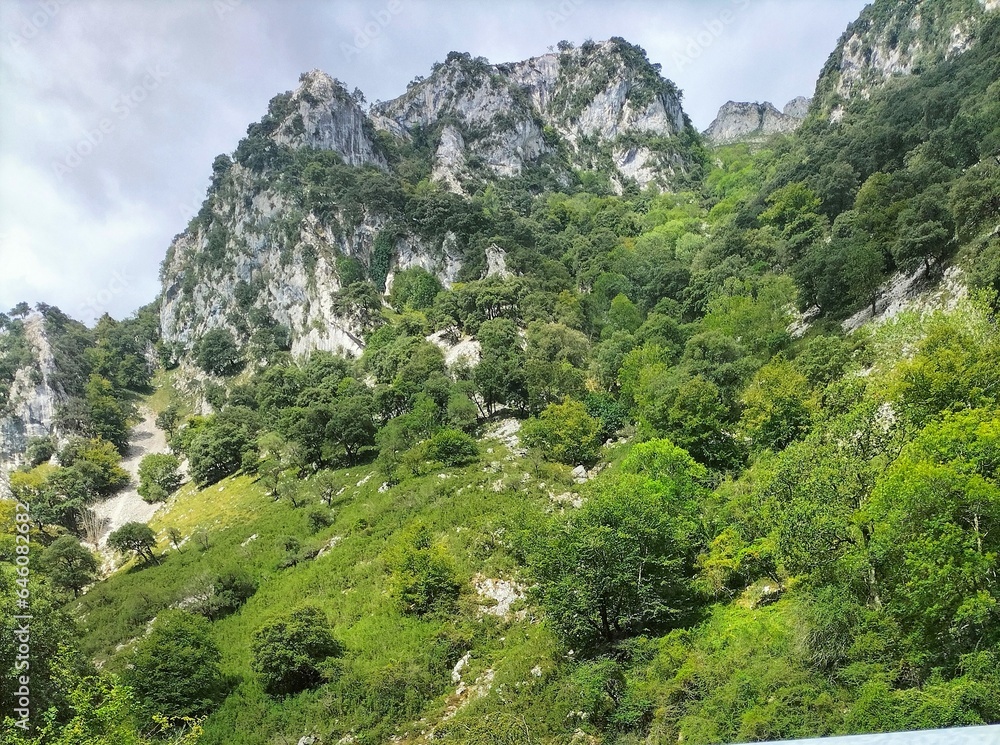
(111, 111)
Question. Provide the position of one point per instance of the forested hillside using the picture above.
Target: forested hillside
(618, 473)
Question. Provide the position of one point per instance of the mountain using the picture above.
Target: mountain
(896, 39)
(322, 194)
(600, 105)
(747, 122)
(713, 460)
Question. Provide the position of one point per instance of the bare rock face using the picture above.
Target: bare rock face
(798, 107)
(748, 122)
(277, 243)
(511, 116)
(34, 397)
(324, 116)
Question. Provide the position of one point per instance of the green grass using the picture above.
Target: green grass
(397, 670)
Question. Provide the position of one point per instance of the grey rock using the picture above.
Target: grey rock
(747, 122)
(34, 397)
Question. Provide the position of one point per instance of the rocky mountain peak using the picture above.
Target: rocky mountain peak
(321, 114)
(753, 121)
(513, 115)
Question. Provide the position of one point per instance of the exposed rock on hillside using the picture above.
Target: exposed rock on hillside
(322, 115)
(571, 108)
(892, 39)
(311, 206)
(746, 122)
(34, 396)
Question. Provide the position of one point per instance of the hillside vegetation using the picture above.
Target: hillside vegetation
(662, 497)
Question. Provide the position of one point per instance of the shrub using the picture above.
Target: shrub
(565, 432)
(423, 578)
(175, 669)
(452, 447)
(159, 476)
(319, 517)
(288, 652)
(229, 590)
(39, 450)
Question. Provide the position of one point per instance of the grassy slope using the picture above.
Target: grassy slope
(385, 647)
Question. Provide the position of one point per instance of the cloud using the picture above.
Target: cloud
(114, 110)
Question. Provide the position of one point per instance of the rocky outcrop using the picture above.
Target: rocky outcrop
(562, 106)
(34, 396)
(273, 249)
(749, 122)
(292, 275)
(324, 116)
(892, 39)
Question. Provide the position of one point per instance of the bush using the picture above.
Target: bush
(288, 652)
(39, 450)
(319, 518)
(230, 589)
(175, 669)
(423, 578)
(159, 476)
(452, 447)
(565, 432)
(217, 354)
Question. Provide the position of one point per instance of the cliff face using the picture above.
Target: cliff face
(33, 396)
(892, 38)
(312, 200)
(749, 122)
(320, 114)
(598, 105)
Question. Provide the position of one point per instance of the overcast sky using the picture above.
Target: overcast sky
(111, 111)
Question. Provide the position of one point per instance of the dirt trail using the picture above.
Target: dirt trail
(127, 506)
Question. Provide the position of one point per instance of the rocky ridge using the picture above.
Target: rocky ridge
(267, 251)
(750, 122)
(504, 118)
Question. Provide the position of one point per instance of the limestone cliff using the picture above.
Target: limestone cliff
(751, 122)
(319, 198)
(600, 105)
(29, 405)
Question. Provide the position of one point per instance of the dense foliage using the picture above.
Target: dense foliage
(650, 501)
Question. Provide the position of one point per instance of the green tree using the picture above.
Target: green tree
(174, 669)
(623, 563)
(288, 653)
(499, 376)
(108, 417)
(159, 476)
(136, 537)
(414, 288)
(565, 432)
(351, 425)
(217, 353)
(694, 416)
(777, 409)
(69, 565)
(935, 517)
